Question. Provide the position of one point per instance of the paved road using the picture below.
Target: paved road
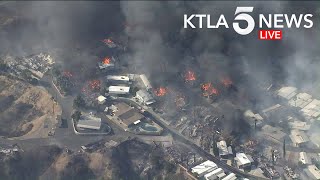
(64, 137)
(183, 139)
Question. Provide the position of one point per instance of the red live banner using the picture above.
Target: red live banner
(270, 34)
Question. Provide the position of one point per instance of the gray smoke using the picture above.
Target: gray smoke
(161, 48)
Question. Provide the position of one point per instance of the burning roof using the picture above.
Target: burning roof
(161, 91)
(190, 76)
(208, 89)
(227, 82)
(109, 43)
(107, 62)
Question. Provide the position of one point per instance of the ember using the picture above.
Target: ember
(190, 76)
(107, 41)
(161, 91)
(106, 60)
(209, 89)
(67, 74)
(95, 84)
(226, 82)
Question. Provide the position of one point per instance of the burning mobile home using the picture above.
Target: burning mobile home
(107, 63)
(110, 43)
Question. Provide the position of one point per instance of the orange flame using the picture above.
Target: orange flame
(95, 84)
(208, 89)
(190, 76)
(226, 81)
(106, 60)
(107, 41)
(161, 91)
(67, 74)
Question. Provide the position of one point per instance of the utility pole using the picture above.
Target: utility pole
(284, 148)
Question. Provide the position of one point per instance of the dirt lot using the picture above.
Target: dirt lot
(26, 111)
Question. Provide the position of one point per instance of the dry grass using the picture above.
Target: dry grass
(31, 107)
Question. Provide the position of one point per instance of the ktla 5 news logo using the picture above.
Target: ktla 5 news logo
(276, 21)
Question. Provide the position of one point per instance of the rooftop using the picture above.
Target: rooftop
(304, 158)
(301, 100)
(230, 176)
(146, 96)
(272, 108)
(204, 167)
(252, 117)
(101, 98)
(274, 133)
(118, 78)
(213, 174)
(299, 125)
(89, 122)
(131, 117)
(243, 158)
(313, 172)
(127, 114)
(223, 149)
(312, 109)
(145, 81)
(119, 89)
(287, 92)
(298, 137)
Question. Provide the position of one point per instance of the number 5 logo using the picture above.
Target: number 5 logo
(241, 13)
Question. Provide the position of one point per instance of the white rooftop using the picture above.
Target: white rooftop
(299, 125)
(243, 159)
(301, 100)
(250, 116)
(212, 175)
(303, 157)
(119, 89)
(287, 92)
(272, 108)
(223, 149)
(230, 176)
(204, 167)
(313, 172)
(298, 137)
(312, 109)
(118, 78)
(101, 98)
(145, 81)
(89, 122)
(146, 96)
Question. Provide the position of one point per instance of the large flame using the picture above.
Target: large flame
(106, 60)
(161, 91)
(190, 76)
(226, 82)
(208, 89)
